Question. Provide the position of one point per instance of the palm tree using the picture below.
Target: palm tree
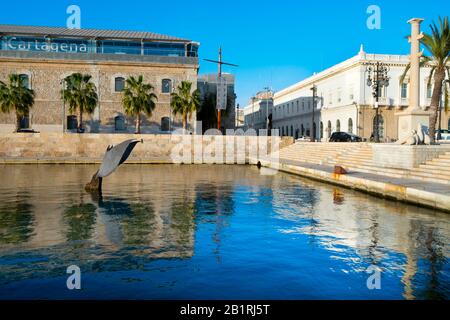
(438, 45)
(16, 96)
(81, 96)
(185, 102)
(138, 97)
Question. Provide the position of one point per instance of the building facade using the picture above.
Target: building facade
(259, 111)
(44, 56)
(345, 102)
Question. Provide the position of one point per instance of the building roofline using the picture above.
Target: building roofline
(346, 64)
(104, 34)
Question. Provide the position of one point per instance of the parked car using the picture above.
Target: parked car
(344, 137)
(444, 134)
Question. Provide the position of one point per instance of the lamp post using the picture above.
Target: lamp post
(314, 90)
(267, 89)
(439, 135)
(253, 112)
(377, 78)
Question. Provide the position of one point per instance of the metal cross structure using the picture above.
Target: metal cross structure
(221, 103)
(377, 78)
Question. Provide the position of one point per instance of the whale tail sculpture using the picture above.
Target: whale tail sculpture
(113, 158)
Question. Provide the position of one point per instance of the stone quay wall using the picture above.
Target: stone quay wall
(405, 157)
(156, 149)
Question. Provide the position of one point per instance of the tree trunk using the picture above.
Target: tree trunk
(184, 123)
(17, 121)
(435, 99)
(138, 124)
(80, 120)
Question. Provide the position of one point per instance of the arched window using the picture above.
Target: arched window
(166, 86)
(303, 130)
(119, 123)
(350, 125)
(25, 80)
(338, 125)
(329, 129)
(380, 126)
(119, 84)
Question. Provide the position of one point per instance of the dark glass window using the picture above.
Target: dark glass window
(119, 84)
(166, 86)
(25, 80)
(119, 47)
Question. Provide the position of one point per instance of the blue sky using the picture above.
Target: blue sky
(275, 43)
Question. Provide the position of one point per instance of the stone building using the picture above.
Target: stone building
(46, 55)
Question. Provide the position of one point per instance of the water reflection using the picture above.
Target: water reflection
(180, 228)
(16, 220)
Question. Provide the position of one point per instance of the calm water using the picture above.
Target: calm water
(211, 232)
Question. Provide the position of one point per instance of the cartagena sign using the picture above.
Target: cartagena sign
(32, 44)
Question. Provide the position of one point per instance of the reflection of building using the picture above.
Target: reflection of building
(343, 222)
(207, 85)
(345, 102)
(45, 56)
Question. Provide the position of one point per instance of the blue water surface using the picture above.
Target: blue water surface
(211, 232)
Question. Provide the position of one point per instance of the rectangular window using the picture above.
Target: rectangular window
(404, 90)
(429, 91)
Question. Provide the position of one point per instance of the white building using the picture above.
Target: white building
(345, 102)
(257, 114)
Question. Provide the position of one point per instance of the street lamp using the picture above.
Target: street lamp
(377, 78)
(314, 90)
(268, 91)
(253, 112)
(439, 135)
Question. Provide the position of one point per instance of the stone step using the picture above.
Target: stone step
(435, 166)
(437, 172)
(428, 177)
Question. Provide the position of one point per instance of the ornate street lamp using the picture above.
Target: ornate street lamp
(377, 78)
(314, 92)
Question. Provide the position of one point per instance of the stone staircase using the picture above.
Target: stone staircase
(358, 157)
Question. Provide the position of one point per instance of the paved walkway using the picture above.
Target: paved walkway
(429, 194)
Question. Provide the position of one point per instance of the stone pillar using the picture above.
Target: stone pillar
(410, 118)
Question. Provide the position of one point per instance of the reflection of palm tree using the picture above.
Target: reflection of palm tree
(137, 224)
(16, 223)
(431, 249)
(218, 203)
(182, 220)
(80, 220)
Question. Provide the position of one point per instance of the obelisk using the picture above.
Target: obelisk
(409, 119)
